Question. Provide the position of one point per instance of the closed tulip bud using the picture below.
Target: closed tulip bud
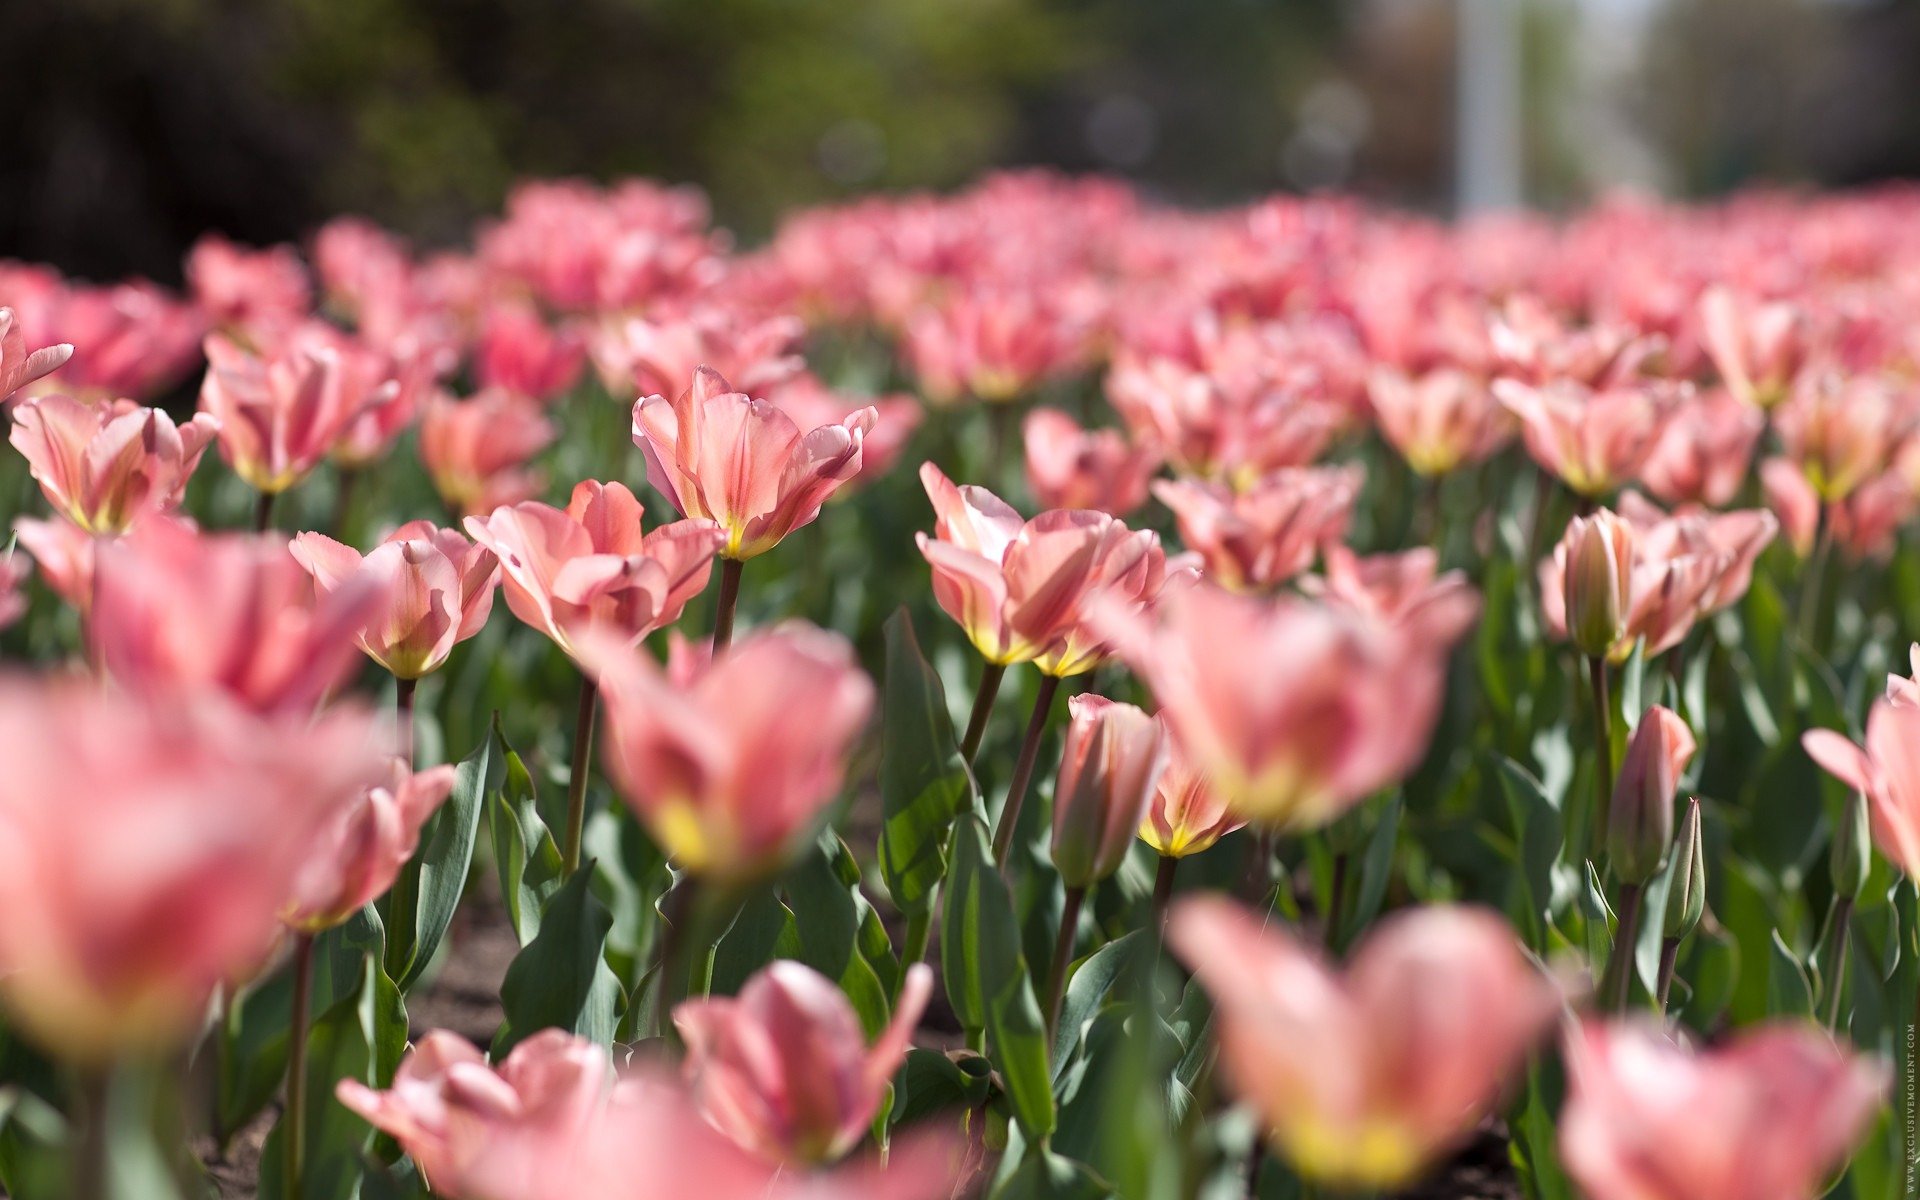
(1114, 756)
(1687, 892)
(1640, 818)
(1596, 562)
(1848, 857)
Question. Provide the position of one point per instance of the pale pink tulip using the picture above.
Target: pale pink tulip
(357, 856)
(1294, 710)
(1258, 539)
(19, 366)
(1130, 569)
(760, 355)
(1071, 467)
(812, 404)
(592, 566)
(1640, 816)
(1593, 441)
(720, 455)
(64, 553)
(1735, 538)
(102, 466)
(1366, 1077)
(175, 611)
(1865, 525)
(147, 850)
(1886, 772)
(1405, 588)
(1704, 452)
(130, 340)
(991, 343)
(1606, 588)
(520, 353)
(438, 588)
(783, 1069)
(1843, 433)
(1220, 421)
(1109, 768)
(1532, 343)
(1186, 814)
(476, 451)
(1770, 1115)
(1758, 348)
(1440, 421)
(1793, 501)
(245, 289)
(1905, 689)
(281, 415)
(714, 761)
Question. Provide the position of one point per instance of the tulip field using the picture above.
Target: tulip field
(1019, 693)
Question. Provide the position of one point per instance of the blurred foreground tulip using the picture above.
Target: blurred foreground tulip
(102, 466)
(1886, 772)
(19, 366)
(438, 588)
(592, 565)
(175, 611)
(14, 570)
(730, 762)
(1109, 770)
(783, 1068)
(476, 451)
(1259, 538)
(147, 851)
(1071, 467)
(1365, 1078)
(64, 553)
(361, 851)
(1768, 1116)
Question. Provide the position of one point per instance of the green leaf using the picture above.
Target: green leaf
(342, 1044)
(828, 911)
(757, 931)
(924, 783)
(1044, 1175)
(524, 852)
(424, 897)
(1376, 870)
(987, 979)
(1538, 822)
(1089, 986)
(1789, 992)
(931, 1082)
(561, 979)
(34, 1151)
(1535, 1146)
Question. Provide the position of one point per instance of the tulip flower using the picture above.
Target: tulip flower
(1185, 814)
(1733, 539)
(1071, 467)
(1440, 421)
(1770, 1115)
(1885, 771)
(1904, 690)
(364, 847)
(1702, 455)
(476, 451)
(177, 611)
(1592, 441)
(1109, 769)
(1758, 348)
(1295, 710)
(1260, 538)
(713, 757)
(720, 455)
(18, 366)
(438, 588)
(1843, 433)
(592, 566)
(637, 354)
(282, 413)
(518, 352)
(147, 850)
(102, 466)
(1641, 816)
(1865, 525)
(1403, 588)
(993, 344)
(1605, 590)
(812, 404)
(1531, 342)
(244, 289)
(783, 1069)
(516, 1131)
(132, 340)
(1365, 1078)
(64, 554)
(13, 576)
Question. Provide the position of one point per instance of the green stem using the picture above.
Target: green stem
(1619, 978)
(403, 690)
(1603, 746)
(983, 698)
(729, 600)
(263, 511)
(1063, 956)
(345, 480)
(1843, 920)
(1814, 580)
(577, 781)
(296, 1115)
(1023, 769)
(677, 946)
(1162, 892)
(913, 947)
(1669, 955)
(94, 1087)
(1335, 894)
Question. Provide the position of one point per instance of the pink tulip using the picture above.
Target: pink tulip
(1606, 587)
(147, 850)
(1186, 814)
(438, 588)
(1221, 421)
(130, 340)
(1886, 772)
(1260, 538)
(783, 1069)
(1294, 710)
(1758, 348)
(1793, 501)
(244, 289)
(1864, 525)
(1071, 467)
(1640, 816)
(1771, 1115)
(1130, 570)
(811, 405)
(1735, 539)
(518, 352)
(1109, 769)
(591, 566)
(991, 343)
(518, 1131)
(1593, 441)
(1365, 1078)
(175, 611)
(720, 455)
(712, 758)
(356, 858)
(413, 368)
(1407, 588)
(1843, 433)
(18, 366)
(104, 465)
(1440, 421)
(658, 355)
(1703, 454)
(13, 577)
(1905, 689)
(1531, 342)
(281, 415)
(477, 450)
(64, 553)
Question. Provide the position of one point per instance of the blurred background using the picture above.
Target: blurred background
(137, 125)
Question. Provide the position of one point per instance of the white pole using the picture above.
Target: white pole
(1487, 114)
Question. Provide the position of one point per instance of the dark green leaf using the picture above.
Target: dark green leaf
(924, 783)
(561, 979)
(423, 898)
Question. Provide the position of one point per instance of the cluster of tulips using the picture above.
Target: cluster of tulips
(1467, 632)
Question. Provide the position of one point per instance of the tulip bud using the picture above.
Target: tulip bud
(1640, 818)
(1848, 859)
(1114, 756)
(1598, 556)
(1687, 890)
